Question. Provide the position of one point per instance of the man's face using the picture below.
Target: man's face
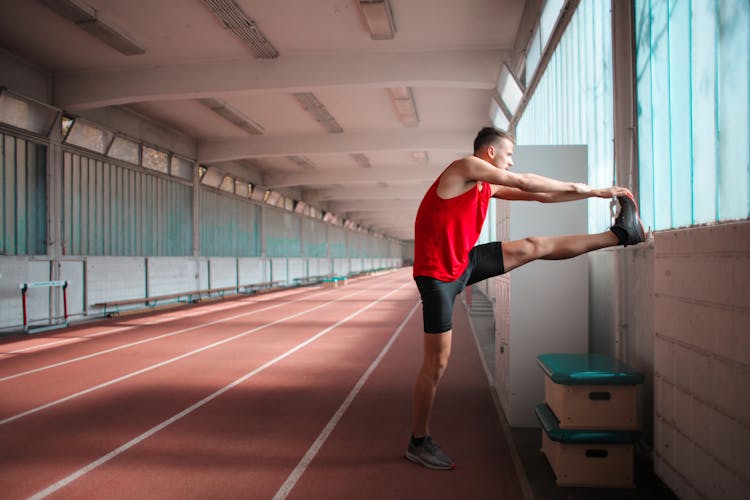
(503, 157)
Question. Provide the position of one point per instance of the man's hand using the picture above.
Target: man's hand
(611, 192)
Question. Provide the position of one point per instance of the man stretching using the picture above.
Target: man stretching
(447, 227)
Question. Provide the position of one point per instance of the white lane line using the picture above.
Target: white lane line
(145, 341)
(303, 464)
(133, 442)
(170, 361)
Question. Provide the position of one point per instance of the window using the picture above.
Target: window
(155, 159)
(125, 150)
(87, 135)
(180, 167)
(26, 114)
(693, 85)
(227, 184)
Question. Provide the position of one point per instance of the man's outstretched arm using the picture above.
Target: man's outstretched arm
(509, 193)
(476, 169)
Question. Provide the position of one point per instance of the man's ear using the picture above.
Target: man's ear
(491, 151)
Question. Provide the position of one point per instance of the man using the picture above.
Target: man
(447, 227)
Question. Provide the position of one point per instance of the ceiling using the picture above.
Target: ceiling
(447, 53)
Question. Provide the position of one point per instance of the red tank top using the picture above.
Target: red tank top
(446, 230)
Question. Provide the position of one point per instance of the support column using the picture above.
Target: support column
(625, 111)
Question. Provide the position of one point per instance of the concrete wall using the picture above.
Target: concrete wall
(679, 311)
(24, 78)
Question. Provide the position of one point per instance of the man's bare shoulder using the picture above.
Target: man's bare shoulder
(462, 166)
(456, 178)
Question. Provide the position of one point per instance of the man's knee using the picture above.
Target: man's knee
(531, 248)
(435, 364)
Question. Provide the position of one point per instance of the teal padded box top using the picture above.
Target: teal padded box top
(587, 369)
(552, 428)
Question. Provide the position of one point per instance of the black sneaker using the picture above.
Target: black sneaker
(627, 226)
(429, 454)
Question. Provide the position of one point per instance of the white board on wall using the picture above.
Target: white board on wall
(548, 299)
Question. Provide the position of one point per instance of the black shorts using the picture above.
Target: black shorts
(485, 261)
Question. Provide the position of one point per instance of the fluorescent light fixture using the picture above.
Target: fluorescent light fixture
(113, 36)
(312, 105)
(232, 115)
(379, 18)
(301, 162)
(87, 18)
(420, 157)
(235, 20)
(406, 108)
(26, 114)
(510, 91)
(500, 120)
(361, 160)
(73, 10)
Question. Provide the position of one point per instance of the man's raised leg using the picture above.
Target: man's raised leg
(520, 252)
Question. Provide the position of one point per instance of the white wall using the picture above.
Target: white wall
(681, 312)
(541, 307)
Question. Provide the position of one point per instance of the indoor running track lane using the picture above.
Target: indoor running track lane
(296, 394)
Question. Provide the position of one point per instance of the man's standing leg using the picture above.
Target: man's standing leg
(421, 449)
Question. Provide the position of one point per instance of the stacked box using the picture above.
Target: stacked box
(335, 282)
(589, 419)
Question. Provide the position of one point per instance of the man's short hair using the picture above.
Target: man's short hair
(491, 136)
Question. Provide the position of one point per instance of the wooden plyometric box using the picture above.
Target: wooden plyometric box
(598, 459)
(590, 391)
(335, 282)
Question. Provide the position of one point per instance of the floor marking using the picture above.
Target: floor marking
(118, 451)
(170, 361)
(302, 466)
(143, 341)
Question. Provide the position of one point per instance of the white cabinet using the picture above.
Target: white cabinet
(541, 307)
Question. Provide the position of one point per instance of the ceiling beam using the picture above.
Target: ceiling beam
(456, 141)
(359, 206)
(384, 193)
(402, 215)
(353, 175)
(470, 69)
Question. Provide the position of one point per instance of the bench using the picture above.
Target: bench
(190, 297)
(311, 280)
(261, 287)
(370, 272)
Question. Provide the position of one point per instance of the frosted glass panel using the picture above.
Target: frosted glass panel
(693, 84)
(573, 102)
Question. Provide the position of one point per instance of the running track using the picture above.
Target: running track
(302, 393)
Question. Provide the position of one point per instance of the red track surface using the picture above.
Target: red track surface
(304, 393)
